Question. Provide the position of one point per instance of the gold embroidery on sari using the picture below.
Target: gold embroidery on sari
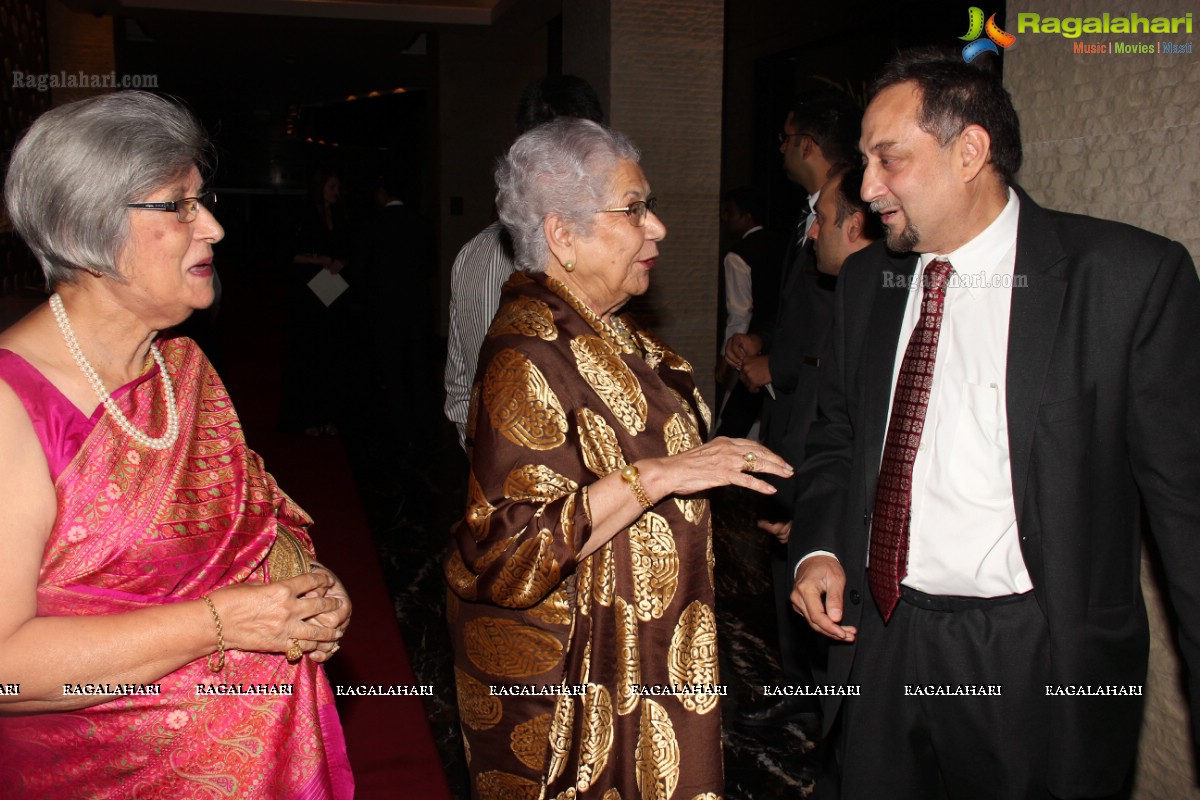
(498, 548)
(500, 646)
(529, 574)
(477, 707)
(521, 404)
(525, 316)
(461, 579)
(479, 510)
(537, 482)
(604, 581)
(598, 441)
(692, 656)
(596, 737)
(497, 785)
(601, 366)
(529, 741)
(705, 411)
(566, 520)
(655, 565)
(555, 609)
(629, 660)
(657, 753)
(560, 736)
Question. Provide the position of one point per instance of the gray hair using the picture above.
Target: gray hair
(78, 165)
(562, 167)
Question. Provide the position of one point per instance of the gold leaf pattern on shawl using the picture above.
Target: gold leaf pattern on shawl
(477, 707)
(629, 659)
(479, 510)
(555, 609)
(705, 411)
(537, 482)
(676, 362)
(521, 404)
(685, 405)
(498, 548)
(596, 738)
(657, 753)
(652, 349)
(525, 316)
(566, 520)
(601, 366)
(680, 435)
(692, 656)
(466, 748)
(707, 796)
(529, 574)
(655, 565)
(497, 785)
(585, 668)
(500, 646)
(460, 579)
(560, 735)
(601, 451)
(583, 586)
(529, 741)
(611, 794)
(604, 579)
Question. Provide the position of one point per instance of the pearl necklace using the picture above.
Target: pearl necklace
(165, 442)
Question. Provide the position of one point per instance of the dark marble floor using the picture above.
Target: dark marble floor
(412, 507)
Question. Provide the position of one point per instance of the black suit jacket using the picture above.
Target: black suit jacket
(1104, 433)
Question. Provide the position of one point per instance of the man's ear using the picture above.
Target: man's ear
(974, 150)
(560, 237)
(853, 226)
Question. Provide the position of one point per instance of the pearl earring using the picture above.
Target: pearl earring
(569, 266)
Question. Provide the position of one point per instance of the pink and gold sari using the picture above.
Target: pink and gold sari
(138, 528)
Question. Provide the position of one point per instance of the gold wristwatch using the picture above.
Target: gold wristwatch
(631, 476)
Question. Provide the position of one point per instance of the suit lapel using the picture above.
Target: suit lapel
(879, 363)
(1039, 286)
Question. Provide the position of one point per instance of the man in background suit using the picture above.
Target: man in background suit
(818, 135)
(1044, 407)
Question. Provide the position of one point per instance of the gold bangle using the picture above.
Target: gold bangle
(631, 476)
(220, 654)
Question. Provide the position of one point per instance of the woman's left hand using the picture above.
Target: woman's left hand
(338, 619)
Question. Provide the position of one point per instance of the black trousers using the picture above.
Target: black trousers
(952, 702)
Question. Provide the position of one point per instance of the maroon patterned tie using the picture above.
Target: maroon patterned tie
(893, 496)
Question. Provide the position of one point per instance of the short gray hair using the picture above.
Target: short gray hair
(562, 167)
(79, 164)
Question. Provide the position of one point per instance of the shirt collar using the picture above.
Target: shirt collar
(752, 230)
(983, 254)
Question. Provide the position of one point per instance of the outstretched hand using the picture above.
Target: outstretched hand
(721, 462)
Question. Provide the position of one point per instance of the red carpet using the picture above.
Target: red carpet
(392, 752)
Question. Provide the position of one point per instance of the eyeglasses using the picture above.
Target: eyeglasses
(186, 209)
(635, 212)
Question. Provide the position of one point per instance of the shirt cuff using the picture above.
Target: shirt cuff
(810, 555)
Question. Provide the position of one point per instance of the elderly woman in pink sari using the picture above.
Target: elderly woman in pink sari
(163, 619)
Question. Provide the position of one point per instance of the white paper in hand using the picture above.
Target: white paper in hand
(327, 286)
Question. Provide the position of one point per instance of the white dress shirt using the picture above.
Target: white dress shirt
(963, 533)
(739, 300)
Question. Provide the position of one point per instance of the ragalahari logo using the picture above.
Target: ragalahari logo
(976, 28)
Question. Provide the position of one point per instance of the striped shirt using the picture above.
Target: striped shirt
(480, 270)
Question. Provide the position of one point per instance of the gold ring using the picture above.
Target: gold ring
(335, 648)
(748, 461)
(294, 652)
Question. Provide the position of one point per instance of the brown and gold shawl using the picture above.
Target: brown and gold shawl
(594, 677)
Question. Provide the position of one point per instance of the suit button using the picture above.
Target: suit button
(855, 596)
(866, 518)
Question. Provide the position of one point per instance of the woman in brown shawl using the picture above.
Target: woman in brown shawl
(581, 602)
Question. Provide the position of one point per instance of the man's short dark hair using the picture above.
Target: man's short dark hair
(747, 201)
(849, 200)
(955, 94)
(833, 120)
(557, 96)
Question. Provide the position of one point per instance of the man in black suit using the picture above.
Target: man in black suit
(1043, 411)
(818, 136)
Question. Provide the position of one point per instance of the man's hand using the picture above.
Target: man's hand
(740, 347)
(756, 372)
(817, 596)
(780, 530)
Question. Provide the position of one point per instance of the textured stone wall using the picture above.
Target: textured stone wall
(663, 75)
(1118, 136)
